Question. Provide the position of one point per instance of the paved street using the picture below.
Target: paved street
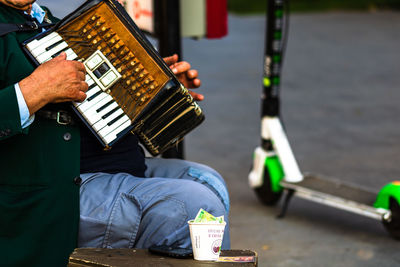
(340, 96)
(339, 103)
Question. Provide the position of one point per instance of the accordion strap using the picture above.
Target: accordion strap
(6, 28)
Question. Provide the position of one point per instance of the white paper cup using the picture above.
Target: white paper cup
(206, 240)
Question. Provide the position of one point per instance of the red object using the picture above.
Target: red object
(217, 18)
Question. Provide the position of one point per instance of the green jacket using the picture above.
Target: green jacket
(39, 195)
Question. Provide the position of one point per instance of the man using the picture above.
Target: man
(44, 165)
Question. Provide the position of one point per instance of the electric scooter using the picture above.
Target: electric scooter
(275, 169)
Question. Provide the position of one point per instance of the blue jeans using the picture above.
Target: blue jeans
(124, 211)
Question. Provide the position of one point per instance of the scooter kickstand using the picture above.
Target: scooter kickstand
(288, 197)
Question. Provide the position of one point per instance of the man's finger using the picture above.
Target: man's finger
(81, 96)
(192, 74)
(171, 60)
(196, 83)
(61, 56)
(196, 96)
(84, 86)
(79, 66)
(181, 67)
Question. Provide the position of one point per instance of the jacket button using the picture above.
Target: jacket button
(77, 180)
(67, 136)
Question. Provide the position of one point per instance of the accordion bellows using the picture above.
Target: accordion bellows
(130, 87)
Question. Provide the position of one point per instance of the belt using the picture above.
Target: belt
(60, 116)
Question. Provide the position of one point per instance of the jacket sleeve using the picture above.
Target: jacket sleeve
(10, 122)
(14, 66)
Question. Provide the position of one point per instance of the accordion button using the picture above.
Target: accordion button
(108, 78)
(93, 62)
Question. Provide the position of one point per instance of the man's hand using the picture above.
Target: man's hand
(187, 76)
(57, 80)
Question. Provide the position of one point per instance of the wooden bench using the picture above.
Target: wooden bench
(99, 257)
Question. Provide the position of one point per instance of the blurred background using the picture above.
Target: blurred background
(259, 6)
(340, 107)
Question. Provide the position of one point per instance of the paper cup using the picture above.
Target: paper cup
(206, 240)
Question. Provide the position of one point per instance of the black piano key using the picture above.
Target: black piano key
(103, 107)
(93, 96)
(116, 118)
(59, 52)
(54, 45)
(92, 86)
(109, 113)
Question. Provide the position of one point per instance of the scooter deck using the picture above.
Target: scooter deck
(338, 189)
(337, 194)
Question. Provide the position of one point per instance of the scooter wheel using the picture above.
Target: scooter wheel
(392, 224)
(265, 193)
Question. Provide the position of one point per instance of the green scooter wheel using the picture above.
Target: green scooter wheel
(392, 224)
(270, 191)
(265, 194)
(388, 198)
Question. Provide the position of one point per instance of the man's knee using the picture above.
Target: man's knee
(187, 170)
(164, 219)
(213, 180)
(201, 196)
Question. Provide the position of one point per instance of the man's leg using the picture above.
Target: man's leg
(187, 170)
(121, 210)
(183, 169)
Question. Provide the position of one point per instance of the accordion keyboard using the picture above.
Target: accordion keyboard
(131, 89)
(99, 108)
(122, 78)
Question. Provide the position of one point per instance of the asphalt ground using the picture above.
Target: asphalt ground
(340, 95)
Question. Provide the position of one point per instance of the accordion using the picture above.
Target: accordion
(131, 89)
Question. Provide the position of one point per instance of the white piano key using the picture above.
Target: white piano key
(71, 54)
(42, 48)
(85, 105)
(108, 129)
(36, 43)
(93, 103)
(84, 102)
(92, 91)
(48, 55)
(113, 135)
(100, 105)
(103, 123)
(89, 80)
(93, 116)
